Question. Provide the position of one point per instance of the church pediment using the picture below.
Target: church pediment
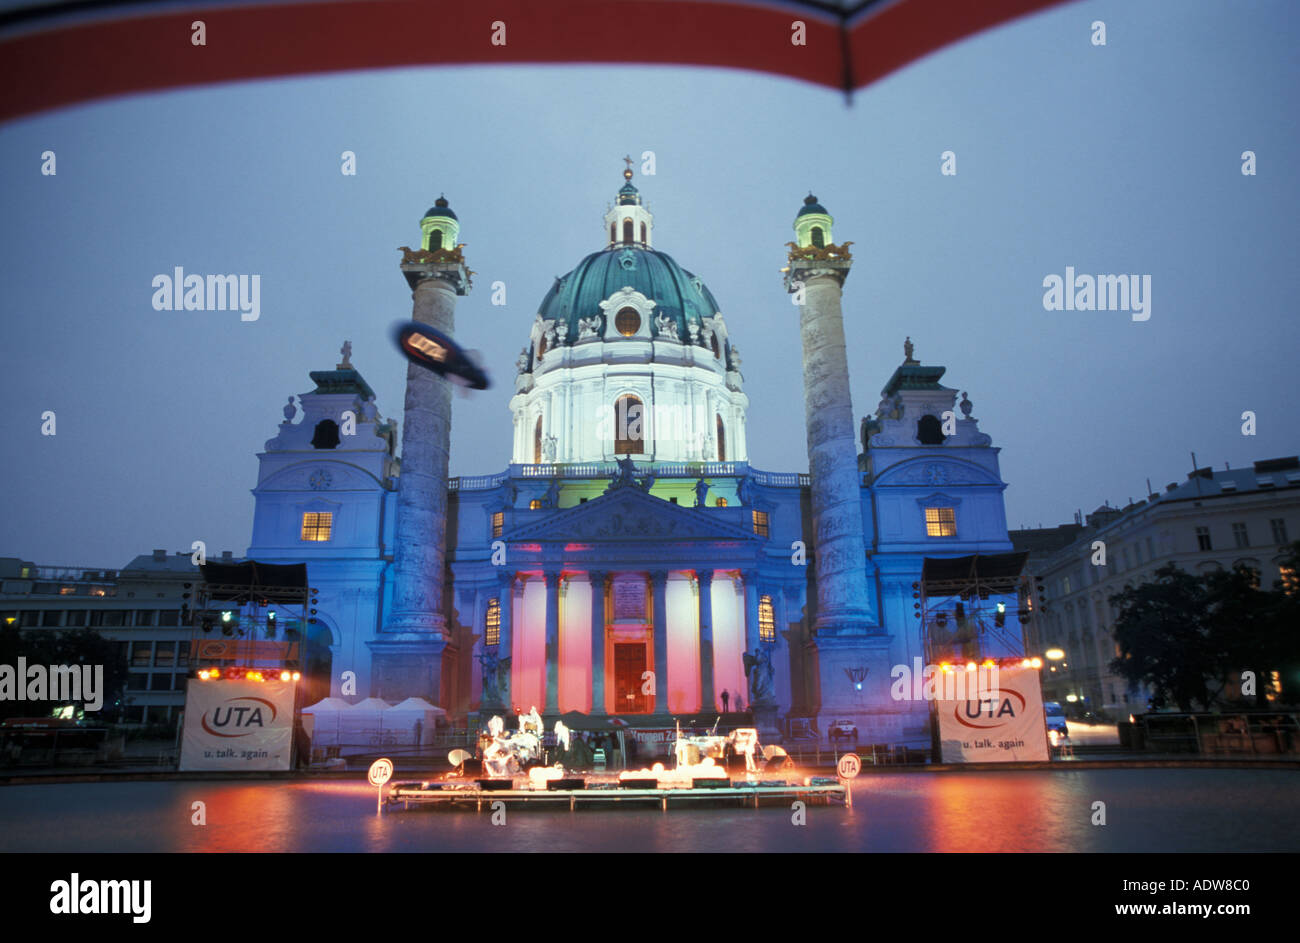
(931, 472)
(629, 514)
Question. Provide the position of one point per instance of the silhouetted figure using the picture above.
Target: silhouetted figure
(725, 699)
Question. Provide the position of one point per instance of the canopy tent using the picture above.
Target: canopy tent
(413, 721)
(102, 52)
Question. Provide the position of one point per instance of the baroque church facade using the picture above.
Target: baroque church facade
(629, 562)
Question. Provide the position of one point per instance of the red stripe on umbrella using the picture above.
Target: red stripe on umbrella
(131, 53)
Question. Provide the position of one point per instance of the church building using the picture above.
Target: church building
(629, 562)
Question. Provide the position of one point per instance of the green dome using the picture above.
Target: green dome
(810, 205)
(675, 291)
(440, 208)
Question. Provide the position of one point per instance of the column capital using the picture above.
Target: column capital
(597, 577)
(659, 577)
(505, 578)
(750, 577)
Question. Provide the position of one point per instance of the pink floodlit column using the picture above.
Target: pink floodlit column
(597, 578)
(683, 644)
(660, 580)
(728, 639)
(528, 668)
(552, 643)
(708, 696)
(575, 646)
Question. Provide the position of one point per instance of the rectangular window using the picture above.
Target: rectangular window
(760, 523)
(766, 620)
(1127, 564)
(498, 522)
(1239, 534)
(76, 617)
(1151, 549)
(141, 654)
(1279, 530)
(137, 681)
(316, 525)
(52, 617)
(144, 616)
(169, 617)
(164, 654)
(492, 628)
(29, 617)
(1203, 539)
(158, 681)
(1065, 586)
(183, 655)
(940, 522)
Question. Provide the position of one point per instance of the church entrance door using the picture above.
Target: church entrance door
(629, 666)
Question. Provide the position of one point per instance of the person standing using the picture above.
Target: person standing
(725, 698)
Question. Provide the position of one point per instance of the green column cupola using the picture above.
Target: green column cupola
(628, 222)
(440, 227)
(812, 225)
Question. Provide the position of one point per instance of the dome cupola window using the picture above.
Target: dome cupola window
(627, 322)
(722, 438)
(627, 231)
(326, 435)
(537, 442)
(929, 431)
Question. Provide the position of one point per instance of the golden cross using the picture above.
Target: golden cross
(628, 161)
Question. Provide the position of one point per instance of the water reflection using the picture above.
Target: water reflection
(1147, 810)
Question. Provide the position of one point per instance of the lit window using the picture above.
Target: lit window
(316, 525)
(629, 437)
(760, 523)
(940, 522)
(535, 504)
(719, 502)
(492, 630)
(766, 620)
(627, 322)
(498, 522)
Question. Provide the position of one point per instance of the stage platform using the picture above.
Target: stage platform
(462, 794)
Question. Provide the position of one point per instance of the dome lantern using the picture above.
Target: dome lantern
(812, 225)
(628, 222)
(440, 227)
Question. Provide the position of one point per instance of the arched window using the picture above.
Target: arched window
(326, 435)
(627, 230)
(643, 232)
(929, 431)
(537, 442)
(541, 346)
(722, 439)
(717, 351)
(435, 239)
(629, 437)
(613, 234)
(818, 237)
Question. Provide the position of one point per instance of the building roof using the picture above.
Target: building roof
(676, 292)
(914, 376)
(440, 208)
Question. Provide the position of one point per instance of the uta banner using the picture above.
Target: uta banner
(996, 726)
(237, 725)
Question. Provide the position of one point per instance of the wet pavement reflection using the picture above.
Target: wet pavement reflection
(1146, 810)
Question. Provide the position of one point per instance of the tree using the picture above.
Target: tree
(1165, 640)
(72, 647)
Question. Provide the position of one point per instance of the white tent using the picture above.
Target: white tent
(361, 727)
(413, 715)
(325, 721)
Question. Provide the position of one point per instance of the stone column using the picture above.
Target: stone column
(660, 581)
(407, 654)
(552, 643)
(751, 609)
(844, 603)
(597, 578)
(708, 697)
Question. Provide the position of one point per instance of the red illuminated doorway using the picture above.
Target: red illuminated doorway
(629, 666)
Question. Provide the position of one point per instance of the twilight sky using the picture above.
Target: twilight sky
(1117, 159)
